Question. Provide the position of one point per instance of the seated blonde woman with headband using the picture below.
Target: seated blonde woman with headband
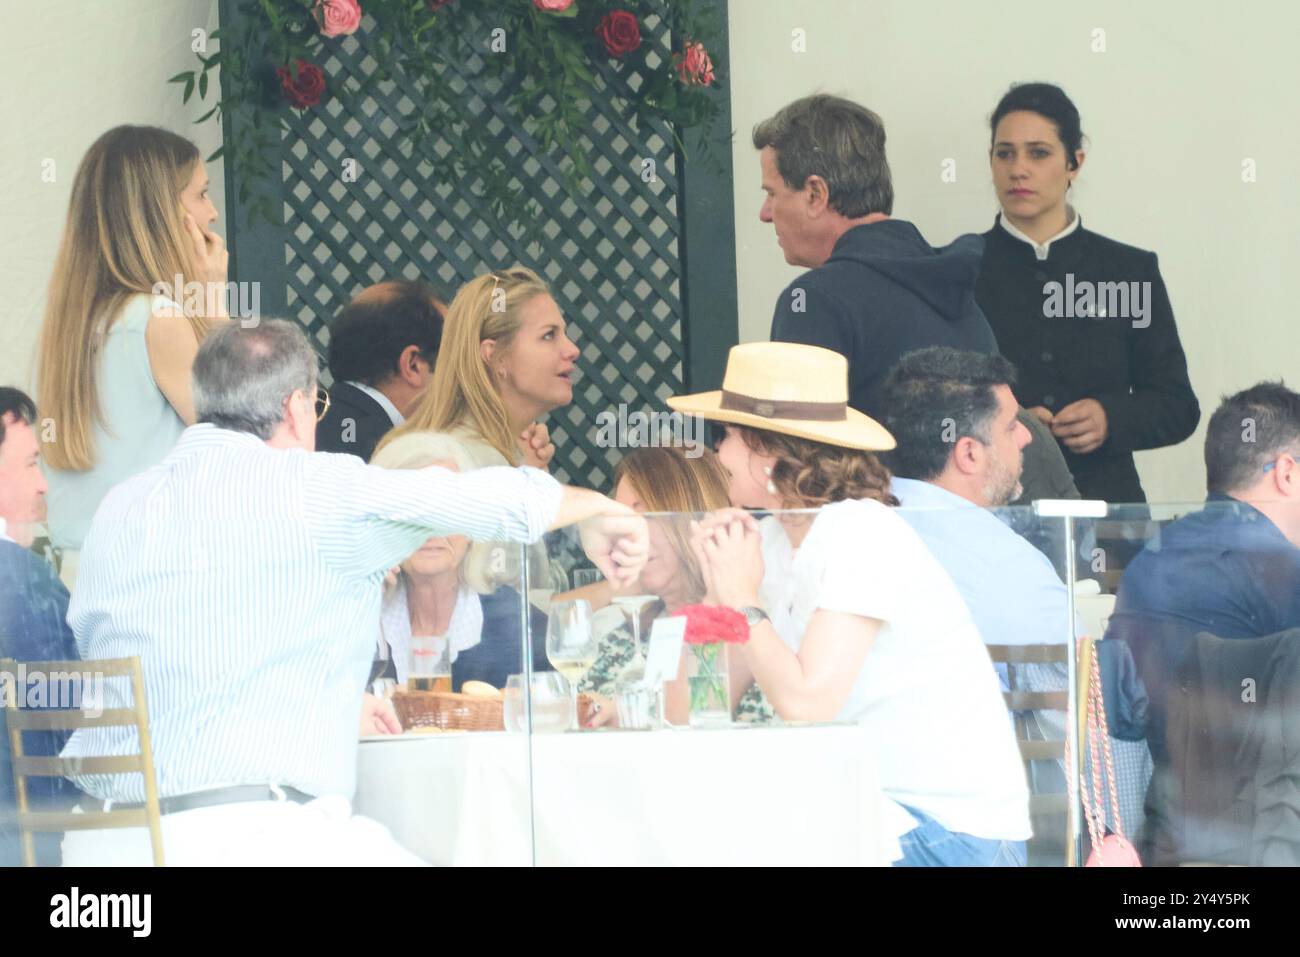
(503, 365)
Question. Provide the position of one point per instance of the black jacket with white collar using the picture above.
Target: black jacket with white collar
(1092, 320)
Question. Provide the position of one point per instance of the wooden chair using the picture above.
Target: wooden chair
(1049, 812)
(20, 719)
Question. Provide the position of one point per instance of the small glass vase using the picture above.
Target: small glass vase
(710, 691)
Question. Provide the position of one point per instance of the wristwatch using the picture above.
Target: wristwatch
(754, 615)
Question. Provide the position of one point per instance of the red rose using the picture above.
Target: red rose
(307, 89)
(337, 18)
(552, 6)
(694, 67)
(620, 32)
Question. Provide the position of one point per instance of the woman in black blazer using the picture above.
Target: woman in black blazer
(1085, 319)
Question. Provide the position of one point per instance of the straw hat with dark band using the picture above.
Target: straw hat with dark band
(789, 388)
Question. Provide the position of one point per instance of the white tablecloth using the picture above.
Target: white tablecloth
(744, 796)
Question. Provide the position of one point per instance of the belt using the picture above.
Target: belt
(240, 794)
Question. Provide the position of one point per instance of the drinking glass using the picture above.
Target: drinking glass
(571, 645)
(430, 664)
(632, 605)
(550, 701)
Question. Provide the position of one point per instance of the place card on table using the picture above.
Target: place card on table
(665, 654)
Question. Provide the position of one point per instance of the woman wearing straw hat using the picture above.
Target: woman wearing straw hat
(856, 621)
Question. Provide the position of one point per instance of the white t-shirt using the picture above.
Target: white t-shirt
(927, 688)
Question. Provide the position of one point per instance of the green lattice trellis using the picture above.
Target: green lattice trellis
(614, 257)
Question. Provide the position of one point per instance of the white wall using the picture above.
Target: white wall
(69, 70)
(1182, 94)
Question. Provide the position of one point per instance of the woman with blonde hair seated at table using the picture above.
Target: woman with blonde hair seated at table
(862, 624)
(118, 336)
(448, 590)
(504, 363)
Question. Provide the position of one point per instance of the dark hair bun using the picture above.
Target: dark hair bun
(1050, 102)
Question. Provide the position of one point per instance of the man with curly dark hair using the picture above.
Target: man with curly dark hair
(960, 452)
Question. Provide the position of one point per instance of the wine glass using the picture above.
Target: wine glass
(632, 605)
(571, 645)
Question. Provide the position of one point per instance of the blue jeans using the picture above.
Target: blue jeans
(930, 844)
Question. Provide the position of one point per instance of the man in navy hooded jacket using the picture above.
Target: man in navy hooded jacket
(877, 289)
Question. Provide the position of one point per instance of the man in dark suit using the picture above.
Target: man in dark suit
(33, 609)
(381, 355)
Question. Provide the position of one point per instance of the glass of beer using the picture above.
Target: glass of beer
(430, 668)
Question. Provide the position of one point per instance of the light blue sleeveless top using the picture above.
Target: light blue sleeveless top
(139, 425)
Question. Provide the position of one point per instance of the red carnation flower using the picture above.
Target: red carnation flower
(620, 32)
(709, 624)
(306, 88)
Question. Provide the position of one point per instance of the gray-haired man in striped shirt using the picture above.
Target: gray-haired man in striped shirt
(244, 570)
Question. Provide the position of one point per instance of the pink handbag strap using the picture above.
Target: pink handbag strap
(1099, 751)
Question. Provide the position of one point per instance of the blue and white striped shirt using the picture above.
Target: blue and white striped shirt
(247, 579)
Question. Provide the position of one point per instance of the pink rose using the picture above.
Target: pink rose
(552, 6)
(694, 68)
(337, 18)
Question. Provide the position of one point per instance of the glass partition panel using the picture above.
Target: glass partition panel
(454, 786)
(252, 664)
(1202, 677)
(825, 686)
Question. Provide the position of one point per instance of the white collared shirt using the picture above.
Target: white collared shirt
(464, 631)
(387, 403)
(1042, 249)
(248, 580)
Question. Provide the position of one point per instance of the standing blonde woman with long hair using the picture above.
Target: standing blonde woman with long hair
(115, 355)
(503, 364)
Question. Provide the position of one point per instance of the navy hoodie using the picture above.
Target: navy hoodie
(884, 292)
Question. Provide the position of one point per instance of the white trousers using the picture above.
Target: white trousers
(322, 833)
